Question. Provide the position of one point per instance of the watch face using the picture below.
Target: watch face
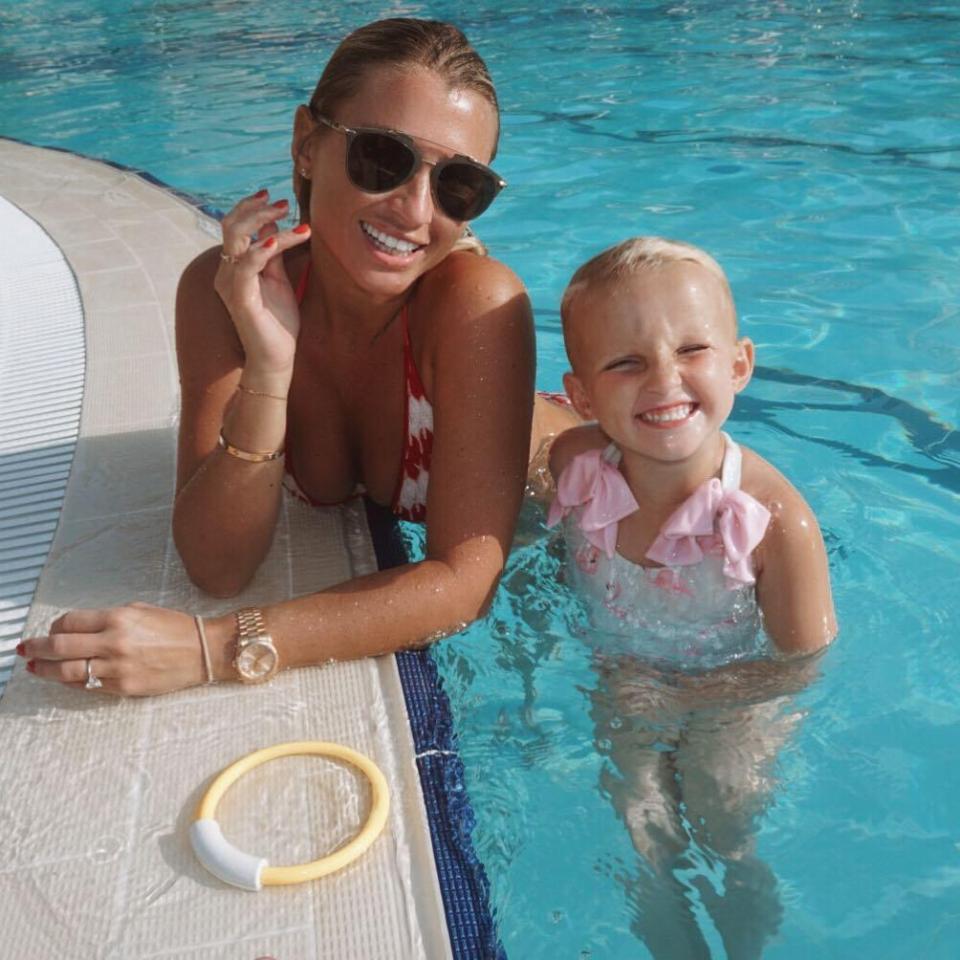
(257, 661)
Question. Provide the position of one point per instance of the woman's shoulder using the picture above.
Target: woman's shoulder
(202, 320)
(199, 273)
(465, 284)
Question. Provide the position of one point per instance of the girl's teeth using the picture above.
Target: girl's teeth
(391, 244)
(668, 416)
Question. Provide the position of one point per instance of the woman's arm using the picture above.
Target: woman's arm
(481, 372)
(793, 583)
(237, 323)
(225, 508)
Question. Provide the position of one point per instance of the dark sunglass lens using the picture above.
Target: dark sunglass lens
(465, 191)
(377, 162)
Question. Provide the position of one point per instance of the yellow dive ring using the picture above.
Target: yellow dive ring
(241, 869)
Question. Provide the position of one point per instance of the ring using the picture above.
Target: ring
(249, 872)
(226, 258)
(93, 681)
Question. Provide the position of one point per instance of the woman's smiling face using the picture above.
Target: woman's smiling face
(656, 359)
(384, 241)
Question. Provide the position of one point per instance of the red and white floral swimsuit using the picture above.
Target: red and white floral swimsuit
(409, 501)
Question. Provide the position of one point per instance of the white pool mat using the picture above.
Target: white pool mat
(96, 793)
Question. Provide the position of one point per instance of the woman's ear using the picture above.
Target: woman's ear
(301, 146)
(578, 395)
(743, 363)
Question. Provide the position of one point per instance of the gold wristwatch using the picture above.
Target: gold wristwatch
(256, 659)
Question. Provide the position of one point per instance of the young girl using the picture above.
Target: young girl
(686, 548)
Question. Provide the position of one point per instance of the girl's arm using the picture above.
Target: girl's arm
(482, 353)
(793, 582)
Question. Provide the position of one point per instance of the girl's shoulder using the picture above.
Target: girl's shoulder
(791, 518)
(764, 482)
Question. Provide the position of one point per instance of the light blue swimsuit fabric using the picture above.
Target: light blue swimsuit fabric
(689, 617)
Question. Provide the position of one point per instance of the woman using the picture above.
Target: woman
(368, 348)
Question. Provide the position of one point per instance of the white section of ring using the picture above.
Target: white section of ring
(222, 858)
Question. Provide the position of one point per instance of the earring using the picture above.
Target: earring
(304, 174)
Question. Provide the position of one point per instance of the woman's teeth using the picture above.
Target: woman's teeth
(669, 415)
(385, 242)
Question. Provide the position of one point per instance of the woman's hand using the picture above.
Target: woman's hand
(255, 289)
(135, 650)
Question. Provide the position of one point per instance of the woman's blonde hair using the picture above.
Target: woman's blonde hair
(630, 257)
(400, 42)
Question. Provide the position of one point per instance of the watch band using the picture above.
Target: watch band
(250, 626)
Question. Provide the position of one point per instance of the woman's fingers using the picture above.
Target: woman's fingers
(72, 672)
(248, 220)
(262, 252)
(71, 635)
(80, 621)
(259, 255)
(133, 650)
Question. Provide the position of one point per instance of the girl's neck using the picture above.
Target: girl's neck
(663, 485)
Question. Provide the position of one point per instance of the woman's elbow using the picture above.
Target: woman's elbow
(467, 597)
(222, 583)
(211, 574)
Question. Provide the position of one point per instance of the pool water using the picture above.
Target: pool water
(814, 149)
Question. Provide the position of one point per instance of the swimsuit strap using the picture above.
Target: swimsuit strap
(302, 283)
(412, 381)
(611, 453)
(732, 463)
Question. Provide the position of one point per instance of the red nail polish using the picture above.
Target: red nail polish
(32, 666)
(280, 203)
(20, 649)
(260, 194)
(302, 228)
(270, 241)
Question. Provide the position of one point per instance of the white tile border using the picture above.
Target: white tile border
(41, 390)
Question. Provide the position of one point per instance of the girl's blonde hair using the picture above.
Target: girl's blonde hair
(400, 42)
(632, 256)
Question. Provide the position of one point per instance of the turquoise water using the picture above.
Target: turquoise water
(814, 148)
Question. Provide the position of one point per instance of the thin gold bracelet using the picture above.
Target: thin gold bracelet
(204, 649)
(251, 456)
(260, 393)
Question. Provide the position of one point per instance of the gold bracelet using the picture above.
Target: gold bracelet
(251, 456)
(204, 649)
(260, 393)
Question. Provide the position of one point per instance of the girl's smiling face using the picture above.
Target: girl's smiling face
(384, 241)
(656, 359)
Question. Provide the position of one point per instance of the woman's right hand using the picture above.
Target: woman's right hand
(253, 285)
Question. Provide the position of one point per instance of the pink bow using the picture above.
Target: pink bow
(738, 519)
(599, 493)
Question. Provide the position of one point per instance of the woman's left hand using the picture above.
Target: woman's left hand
(136, 650)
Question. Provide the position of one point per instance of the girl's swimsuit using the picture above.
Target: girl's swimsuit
(699, 608)
(409, 501)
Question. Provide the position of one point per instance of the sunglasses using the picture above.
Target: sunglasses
(380, 160)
